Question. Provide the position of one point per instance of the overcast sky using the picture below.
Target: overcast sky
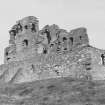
(68, 14)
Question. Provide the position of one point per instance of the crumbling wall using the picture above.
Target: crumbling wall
(59, 40)
(48, 37)
(10, 54)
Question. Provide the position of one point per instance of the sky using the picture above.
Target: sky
(68, 14)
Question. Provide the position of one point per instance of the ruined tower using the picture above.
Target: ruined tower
(22, 39)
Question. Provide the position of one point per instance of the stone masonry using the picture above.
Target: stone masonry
(51, 52)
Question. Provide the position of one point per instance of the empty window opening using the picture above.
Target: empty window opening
(71, 39)
(6, 53)
(88, 68)
(25, 42)
(65, 48)
(64, 38)
(103, 58)
(48, 35)
(26, 27)
(8, 59)
(33, 67)
(44, 51)
(65, 43)
(80, 37)
(33, 28)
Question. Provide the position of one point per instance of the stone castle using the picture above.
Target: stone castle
(26, 39)
(51, 52)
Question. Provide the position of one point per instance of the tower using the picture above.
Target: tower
(22, 38)
(27, 35)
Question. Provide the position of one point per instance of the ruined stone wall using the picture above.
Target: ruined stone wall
(59, 40)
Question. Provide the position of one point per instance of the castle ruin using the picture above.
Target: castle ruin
(26, 39)
(51, 52)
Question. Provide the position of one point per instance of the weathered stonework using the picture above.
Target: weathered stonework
(51, 67)
(51, 52)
